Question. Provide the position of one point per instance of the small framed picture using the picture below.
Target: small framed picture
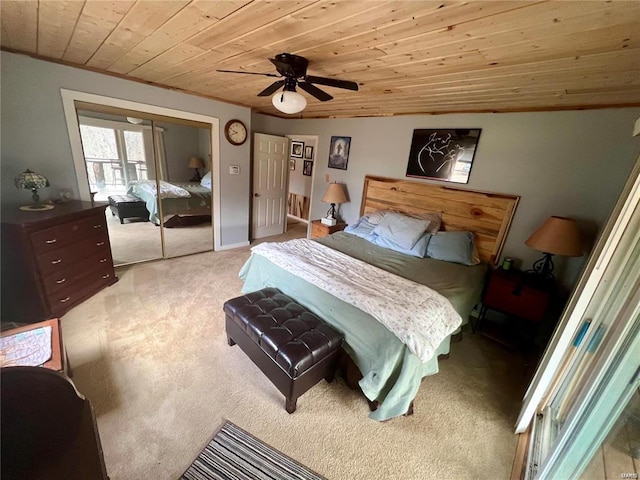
(308, 153)
(339, 152)
(297, 148)
(292, 164)
(307, 168)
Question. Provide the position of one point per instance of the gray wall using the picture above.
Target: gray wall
(181, 142)
(298, 183)
(570, 164)
(34, 131)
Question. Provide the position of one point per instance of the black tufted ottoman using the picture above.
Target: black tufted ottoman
(292, 346)
(128, 206)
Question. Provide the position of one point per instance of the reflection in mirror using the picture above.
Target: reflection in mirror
(184, 161)
(118, 153)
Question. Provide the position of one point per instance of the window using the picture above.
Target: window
(116, 153)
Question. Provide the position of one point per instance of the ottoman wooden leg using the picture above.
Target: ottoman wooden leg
(329, 378)
(290, 404)
(230, 341)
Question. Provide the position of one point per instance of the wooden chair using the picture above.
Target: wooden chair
(48, 429)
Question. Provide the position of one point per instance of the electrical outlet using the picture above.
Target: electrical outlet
(234, 169)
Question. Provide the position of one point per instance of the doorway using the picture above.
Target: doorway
(301, 168)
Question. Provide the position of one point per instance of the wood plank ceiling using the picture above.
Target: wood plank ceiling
(408, 57)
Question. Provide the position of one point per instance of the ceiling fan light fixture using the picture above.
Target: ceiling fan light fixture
(289, 102)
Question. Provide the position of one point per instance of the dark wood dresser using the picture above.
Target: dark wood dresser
(53, 260)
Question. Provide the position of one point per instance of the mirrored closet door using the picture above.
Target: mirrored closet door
(183, 154)
(154, 174)
(118, 153)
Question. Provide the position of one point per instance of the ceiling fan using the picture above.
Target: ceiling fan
(293, 70)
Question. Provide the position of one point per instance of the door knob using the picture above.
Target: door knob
(256, 194)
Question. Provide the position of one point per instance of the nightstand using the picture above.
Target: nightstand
(319, 229)
(519, 295)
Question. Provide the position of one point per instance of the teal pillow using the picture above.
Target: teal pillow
(456, 247)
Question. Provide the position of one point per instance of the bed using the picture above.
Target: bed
(391, 367)
(178, 201)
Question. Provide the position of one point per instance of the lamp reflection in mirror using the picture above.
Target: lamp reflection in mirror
(556, 236)
(196, 163)
(334, 195)
(33, 181)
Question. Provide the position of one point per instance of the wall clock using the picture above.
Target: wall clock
(235, 132)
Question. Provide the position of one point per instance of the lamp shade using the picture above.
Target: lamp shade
(334, 194)
(31, 180)
(558, 236)
(196, 162)
(289, 102)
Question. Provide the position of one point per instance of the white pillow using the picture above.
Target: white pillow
(401, 229)
(376, 217)
(434, 218)
(206, 180)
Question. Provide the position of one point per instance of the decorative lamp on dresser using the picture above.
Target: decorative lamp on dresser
(53, 259)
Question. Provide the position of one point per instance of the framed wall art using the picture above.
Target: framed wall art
(297, 148)
(339, 152)
(308, 152)
(307, 168)
(443, 154)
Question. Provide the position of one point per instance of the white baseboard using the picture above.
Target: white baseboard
(233, 245)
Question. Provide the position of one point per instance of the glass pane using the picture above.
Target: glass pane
(136, 160)
(99, 142)
(115, 155)
(103, 163)
(187, 220)
(619, 455)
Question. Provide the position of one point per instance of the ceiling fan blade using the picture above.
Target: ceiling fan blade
(333, 82)
(250, 73)
(283, 68)
(315, 91)
(275, 86)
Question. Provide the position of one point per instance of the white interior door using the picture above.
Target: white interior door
(270, 180)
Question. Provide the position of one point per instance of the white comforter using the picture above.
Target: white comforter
(419, 316)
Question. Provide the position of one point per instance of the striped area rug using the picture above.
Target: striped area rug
(234, 454)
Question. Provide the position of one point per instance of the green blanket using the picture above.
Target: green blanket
(391, 373)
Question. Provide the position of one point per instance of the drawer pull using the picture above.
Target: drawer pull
(51, 241)
(62, 280)
(65, 300)
(104, 277)
(55, 262)
(97, 226)
(103, 260)
(99, 244)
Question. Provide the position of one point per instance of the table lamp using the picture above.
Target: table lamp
(33, 181)
(334, 194)
(556, 236)
(196, 163)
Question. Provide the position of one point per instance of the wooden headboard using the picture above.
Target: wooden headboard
(488, 215)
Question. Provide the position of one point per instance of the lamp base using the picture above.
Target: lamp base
(328, 221)
(37, 208)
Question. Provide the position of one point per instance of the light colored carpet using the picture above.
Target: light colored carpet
(150, 353)
(136, 241)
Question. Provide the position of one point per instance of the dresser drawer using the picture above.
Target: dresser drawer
(62, 258)
(64, 277)
(62, 300)
(69, 232)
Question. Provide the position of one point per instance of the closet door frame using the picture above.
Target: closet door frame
(69, 97)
